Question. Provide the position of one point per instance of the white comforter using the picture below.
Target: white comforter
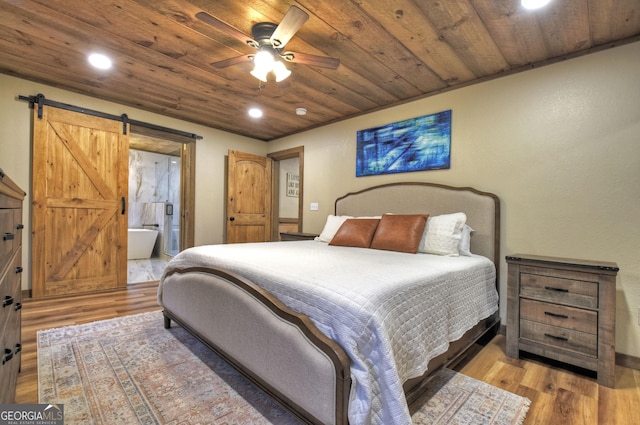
(391, 312)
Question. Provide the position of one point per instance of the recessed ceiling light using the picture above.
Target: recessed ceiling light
(301, 111)
(534, 4)
(255, 113)
(100, 61)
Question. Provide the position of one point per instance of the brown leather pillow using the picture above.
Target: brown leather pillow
(400, 233)
(356, 232)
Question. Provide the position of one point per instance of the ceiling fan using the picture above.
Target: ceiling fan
(269, 39)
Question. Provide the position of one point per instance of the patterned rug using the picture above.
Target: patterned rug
(131, 370)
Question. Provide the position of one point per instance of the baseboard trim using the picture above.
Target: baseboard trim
(624, 360)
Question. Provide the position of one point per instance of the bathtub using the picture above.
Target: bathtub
(141, 243)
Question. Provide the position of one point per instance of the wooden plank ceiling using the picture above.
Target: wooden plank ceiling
(390, 51)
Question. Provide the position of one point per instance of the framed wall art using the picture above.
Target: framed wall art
(293, 185)
(415, 144)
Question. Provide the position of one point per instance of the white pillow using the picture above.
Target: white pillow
(442, 234)
(331, 227)
(465, 241)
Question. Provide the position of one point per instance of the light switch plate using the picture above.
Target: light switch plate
(314, 206)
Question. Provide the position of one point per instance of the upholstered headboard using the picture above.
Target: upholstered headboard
(482, 208)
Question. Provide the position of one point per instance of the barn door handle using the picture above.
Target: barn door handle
(124, 208)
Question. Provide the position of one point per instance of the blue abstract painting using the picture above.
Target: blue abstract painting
(416, 144)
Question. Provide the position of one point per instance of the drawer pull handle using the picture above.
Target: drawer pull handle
(8, 355)
(8, 237)
(559, 338)
(559, 316)
(551, 288)
(8, 300)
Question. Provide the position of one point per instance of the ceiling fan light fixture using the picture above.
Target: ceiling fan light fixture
(280, 70)
(264, 62)
(260, 74)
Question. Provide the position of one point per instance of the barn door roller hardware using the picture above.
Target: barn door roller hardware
(40, 100)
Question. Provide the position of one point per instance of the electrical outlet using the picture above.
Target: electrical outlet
(314, 206)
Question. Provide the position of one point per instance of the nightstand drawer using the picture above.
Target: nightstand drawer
(571, 292)
(581, 342)
(561, 316)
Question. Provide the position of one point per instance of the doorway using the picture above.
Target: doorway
(156, 190)
(288, 190)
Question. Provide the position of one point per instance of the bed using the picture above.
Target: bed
(298, 329)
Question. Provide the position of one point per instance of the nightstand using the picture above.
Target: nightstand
(563, 309)
(297, 236)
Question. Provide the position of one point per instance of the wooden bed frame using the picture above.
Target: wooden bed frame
(281, 351)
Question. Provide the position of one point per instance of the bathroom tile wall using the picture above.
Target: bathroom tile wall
(154, 181)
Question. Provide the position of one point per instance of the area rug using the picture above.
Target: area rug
(130, 370)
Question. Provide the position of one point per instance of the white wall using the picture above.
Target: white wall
(560, 146)
(15, 153)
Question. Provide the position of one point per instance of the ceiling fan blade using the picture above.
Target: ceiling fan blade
(313, 60)
(232, 61)
(291, 23)
(225, 28)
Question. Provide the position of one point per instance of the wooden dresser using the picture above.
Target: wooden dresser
(11, 197)
(563, 309)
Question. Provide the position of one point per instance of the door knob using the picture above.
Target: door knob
(232, 218)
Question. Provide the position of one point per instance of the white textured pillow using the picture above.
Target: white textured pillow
(442, 234)
(465, 241)
(331, 227)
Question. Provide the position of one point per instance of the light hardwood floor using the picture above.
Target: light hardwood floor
(558, 396)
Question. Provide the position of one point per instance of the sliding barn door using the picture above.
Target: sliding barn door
(249, 198)
(79, 218)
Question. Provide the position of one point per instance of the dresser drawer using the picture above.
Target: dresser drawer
(8, 235)
(10, 288)
(555, 336)
(561, 316)
(18, 225)
(572, 292)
